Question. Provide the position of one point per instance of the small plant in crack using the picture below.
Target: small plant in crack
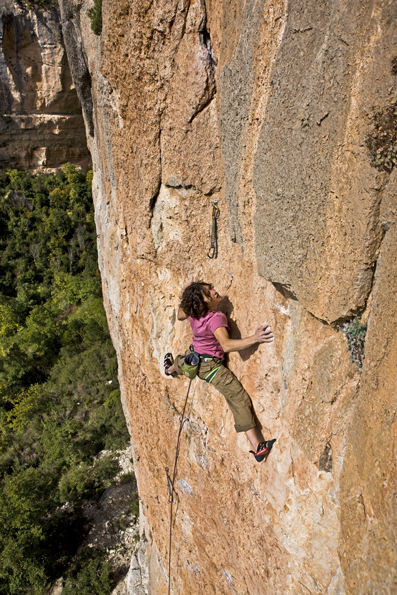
(95, 15)
(382, 140)
(355, 332)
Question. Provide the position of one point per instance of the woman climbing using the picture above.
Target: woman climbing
(211, 341)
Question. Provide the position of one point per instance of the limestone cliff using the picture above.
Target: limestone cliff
(263, 106)
(41, 125)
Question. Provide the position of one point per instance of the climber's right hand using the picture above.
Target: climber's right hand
(263, 334)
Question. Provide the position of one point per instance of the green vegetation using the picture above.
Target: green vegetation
(91, 575)
(95, 15)
(382, 140)
(134, 504)
(59, 395)
(355, 333)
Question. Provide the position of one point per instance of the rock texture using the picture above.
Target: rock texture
(262, 106)
(41, 125)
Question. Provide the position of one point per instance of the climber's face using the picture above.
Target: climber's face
(212, 297)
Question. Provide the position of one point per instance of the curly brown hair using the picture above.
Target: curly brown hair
(193, 303)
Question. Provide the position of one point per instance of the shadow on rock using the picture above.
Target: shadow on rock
(226, 306)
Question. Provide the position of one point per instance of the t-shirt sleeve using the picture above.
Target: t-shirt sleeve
(217, 320)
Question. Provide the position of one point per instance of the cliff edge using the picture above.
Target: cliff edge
(266, 108)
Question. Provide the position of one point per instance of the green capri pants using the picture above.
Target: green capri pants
(227, 384)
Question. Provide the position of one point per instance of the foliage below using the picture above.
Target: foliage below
(95, 15)
(382, 141)
(59, 396)
(92, 574)
(355, 333)
(134, 504)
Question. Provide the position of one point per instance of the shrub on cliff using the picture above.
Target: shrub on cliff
(90, 575)
(355, 333)
(95, 15)
(59, 398)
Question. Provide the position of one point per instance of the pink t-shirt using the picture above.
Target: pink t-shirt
(203, 333)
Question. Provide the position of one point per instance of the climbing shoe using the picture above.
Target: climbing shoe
(262, 452)
(168, 361)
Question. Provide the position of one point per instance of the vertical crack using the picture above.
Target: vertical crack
(205, 40)
(153, 200)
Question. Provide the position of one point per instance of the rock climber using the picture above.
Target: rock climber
(211, 341)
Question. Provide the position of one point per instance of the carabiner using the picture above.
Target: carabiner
(215, 209)
(211, 252)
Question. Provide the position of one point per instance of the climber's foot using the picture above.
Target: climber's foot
(169, 368)
(263, 450)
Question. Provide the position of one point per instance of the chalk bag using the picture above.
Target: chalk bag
(191, 365)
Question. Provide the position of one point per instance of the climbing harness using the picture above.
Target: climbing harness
(213, 251)
(204, 357)
(171, 482)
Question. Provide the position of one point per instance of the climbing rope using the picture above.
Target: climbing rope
(213, 251)
(171, 483)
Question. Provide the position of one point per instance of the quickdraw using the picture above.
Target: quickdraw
(213, 251)
(169, 483)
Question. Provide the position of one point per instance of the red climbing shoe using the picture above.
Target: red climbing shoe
(168, 361)
(262, 452)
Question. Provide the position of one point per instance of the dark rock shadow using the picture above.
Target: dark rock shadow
(286, 293)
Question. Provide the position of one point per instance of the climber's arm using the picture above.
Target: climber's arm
(263, 334)
(181, 314)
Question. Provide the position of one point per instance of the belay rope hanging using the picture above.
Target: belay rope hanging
(171, 482)
(193, 365)
(213, 251)
(190, 369)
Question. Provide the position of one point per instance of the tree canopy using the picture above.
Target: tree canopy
(59, 393)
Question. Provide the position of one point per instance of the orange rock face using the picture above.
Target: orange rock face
(262, 106)
(41, 125)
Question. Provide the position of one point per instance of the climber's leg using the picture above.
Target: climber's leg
(238, 400)
(236, 397)
(254, 436)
